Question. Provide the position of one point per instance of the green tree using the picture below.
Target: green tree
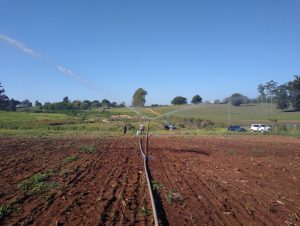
(105, 103)
(95, 104)
(65, 104)
(237, 99)
(87, 103)
(66, 100)
(294, 89)
(271, 89)
(179, 100)
(282, 97)
(3, 99)
(122, 105)
(196, 99)
(261, 90)
(76, 104)
(12, 105)
(139, 98)
(26, 103)
(37, 104)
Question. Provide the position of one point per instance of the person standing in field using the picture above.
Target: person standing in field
(142, 129)
(125, 129)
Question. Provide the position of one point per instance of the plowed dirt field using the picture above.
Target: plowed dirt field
(223, 180)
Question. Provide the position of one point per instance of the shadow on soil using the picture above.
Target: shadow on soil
(162, 217)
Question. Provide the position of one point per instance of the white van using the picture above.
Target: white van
(260, 128)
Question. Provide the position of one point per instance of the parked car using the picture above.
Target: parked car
(169, 126)
(260, 128)
(236, 128)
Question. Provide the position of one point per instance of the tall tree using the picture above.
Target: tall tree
(237, 99)
(261, 90)
(139, 98)
(12, 105)
(271, 88)
(196, 99)
(3, 99)
(179, 100)
(282, 97)
(95, 104)
(66, 100)
(105, 103)
(294, 89)
(26, 103)
(37, 104)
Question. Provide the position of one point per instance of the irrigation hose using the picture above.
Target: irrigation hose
(145, 158)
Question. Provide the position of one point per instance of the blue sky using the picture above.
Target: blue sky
(169, 48)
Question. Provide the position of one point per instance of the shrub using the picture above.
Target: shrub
(88, 149)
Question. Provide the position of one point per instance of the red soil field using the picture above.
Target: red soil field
(207, 180)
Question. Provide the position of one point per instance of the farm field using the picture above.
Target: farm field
(107, 122)
(207, 180)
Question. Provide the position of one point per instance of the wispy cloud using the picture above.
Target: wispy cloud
(19, 45)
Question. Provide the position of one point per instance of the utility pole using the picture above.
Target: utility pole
(229, 112)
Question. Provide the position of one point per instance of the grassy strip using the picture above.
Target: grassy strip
(37, 184)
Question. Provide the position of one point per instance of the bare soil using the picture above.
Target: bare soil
(208, 180)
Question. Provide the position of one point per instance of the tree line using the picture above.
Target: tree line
(66, 104)
(285, 95)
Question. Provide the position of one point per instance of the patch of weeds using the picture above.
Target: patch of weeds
(88, 149)
(44, 187)
(4, 211)
(145, 211)
(71, 159)
(38, 183)
(157, 186)
(173, 196)
(170, 196)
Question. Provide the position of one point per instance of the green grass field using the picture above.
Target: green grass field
(110, 122)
